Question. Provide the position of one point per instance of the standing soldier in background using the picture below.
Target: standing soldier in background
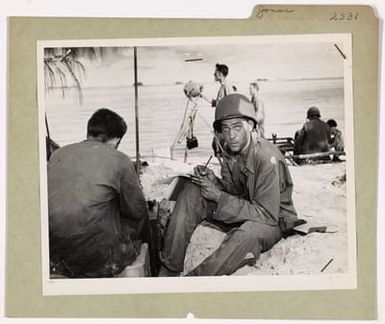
(220, 75)
(259, 106)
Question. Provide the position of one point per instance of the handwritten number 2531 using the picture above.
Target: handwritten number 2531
(344, 16)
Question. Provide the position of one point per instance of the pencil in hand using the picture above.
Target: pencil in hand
(203, 171)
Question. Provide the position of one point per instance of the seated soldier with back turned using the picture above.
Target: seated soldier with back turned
(97, 210)
(314, 136)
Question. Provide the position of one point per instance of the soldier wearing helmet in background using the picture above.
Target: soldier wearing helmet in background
(314, 136)
(252, 201)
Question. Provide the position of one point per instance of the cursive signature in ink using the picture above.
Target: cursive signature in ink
(262, 11)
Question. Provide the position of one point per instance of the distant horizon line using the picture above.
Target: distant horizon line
(141, 84)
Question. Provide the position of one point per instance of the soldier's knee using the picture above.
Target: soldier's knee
(258, 232)
(191, 189)
(189, 192)
(249, 231)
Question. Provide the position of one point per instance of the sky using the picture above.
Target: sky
(246, 62)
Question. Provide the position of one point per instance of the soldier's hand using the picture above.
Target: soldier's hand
(208, 189)
(201, 171)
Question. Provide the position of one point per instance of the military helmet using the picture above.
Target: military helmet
(313, 112)
(232, 106)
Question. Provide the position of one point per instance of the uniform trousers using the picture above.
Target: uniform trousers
(242, 237)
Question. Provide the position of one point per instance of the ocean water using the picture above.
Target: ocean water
(161, 110)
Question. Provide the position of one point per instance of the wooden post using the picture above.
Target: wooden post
(48, 136)
(136, 111)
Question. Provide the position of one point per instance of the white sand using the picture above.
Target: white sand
(316, 200)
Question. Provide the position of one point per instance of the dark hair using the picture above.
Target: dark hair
(222, 68)
(105, 125)
(331, 123)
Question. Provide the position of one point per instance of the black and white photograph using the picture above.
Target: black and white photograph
(196, 164)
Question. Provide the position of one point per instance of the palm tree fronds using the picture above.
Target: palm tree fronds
(63, 64)
(71, 70)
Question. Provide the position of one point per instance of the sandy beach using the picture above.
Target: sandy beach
(319, 197)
